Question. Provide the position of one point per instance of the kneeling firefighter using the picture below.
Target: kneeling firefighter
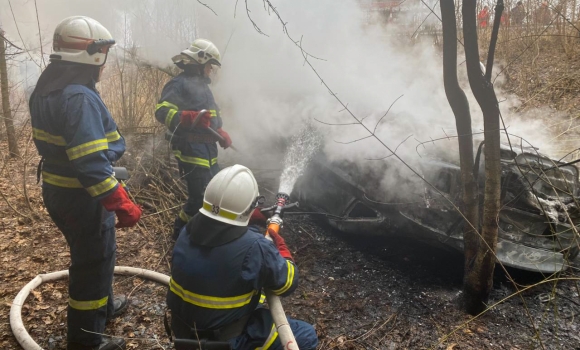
(78, 141)
(220, 265)
(188, 109)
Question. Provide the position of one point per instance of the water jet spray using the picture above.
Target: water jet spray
(301, 150)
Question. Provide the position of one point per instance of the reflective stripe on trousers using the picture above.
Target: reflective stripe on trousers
(90, 233)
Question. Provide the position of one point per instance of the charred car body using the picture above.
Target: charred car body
(539, 201)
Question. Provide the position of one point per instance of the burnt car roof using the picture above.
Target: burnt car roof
(526, 239)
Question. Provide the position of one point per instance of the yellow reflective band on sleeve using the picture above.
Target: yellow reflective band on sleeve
(289, 279)
(271, 338)
(102, 187)
(113, 136)
(88, 305)
(169, 117)
(192, 160)
(61, 181)
(165, 104)
(210, 302)
(213, 113)
(214, 161)
(219, 211)
(173, 109)
(183, 216)
(42, 135)
(87, 148)
(262, 298)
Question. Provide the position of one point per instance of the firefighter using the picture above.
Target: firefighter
(543, 14)
(220, 265)
(517, 14)
(483, 17)
(194, 146)
(78, 141)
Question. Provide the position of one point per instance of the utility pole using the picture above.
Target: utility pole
(6, 112)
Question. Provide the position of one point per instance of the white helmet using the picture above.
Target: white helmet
(81, 39)
(201, 51)
(231, 196)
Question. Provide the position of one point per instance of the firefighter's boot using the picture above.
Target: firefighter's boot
(120, 304)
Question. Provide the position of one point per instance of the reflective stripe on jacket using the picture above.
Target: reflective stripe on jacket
(189, 93)
(73, 130)
(214, 286)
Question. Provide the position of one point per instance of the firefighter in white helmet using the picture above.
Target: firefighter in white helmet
(188, 109)
(79, 141)
(220, 265)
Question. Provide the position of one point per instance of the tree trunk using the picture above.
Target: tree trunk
(6, 112)
(479, 271)
(460, 106)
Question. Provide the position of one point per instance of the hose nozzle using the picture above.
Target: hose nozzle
(281, 199)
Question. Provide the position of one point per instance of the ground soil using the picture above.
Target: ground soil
(359, 292)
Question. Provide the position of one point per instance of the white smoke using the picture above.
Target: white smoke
(266, 90)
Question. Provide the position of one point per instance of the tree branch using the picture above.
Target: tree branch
(9, 42)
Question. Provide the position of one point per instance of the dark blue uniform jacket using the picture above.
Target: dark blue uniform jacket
(77, 137)
(212, 286)
(188, 92)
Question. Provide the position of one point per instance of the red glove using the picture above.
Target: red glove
(188, 118)
(127, 212)
(280, 244)
(257, 218)
(227, 141)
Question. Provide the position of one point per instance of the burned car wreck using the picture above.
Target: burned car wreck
(539, 201)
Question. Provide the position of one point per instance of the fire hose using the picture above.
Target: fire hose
(16, 324)
(27, 343)
(275, 223)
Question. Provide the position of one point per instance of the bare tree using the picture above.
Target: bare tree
(478, 278)
(460, 106)
(6, 112)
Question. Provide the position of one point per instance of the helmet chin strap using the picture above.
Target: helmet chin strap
(105, 60)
